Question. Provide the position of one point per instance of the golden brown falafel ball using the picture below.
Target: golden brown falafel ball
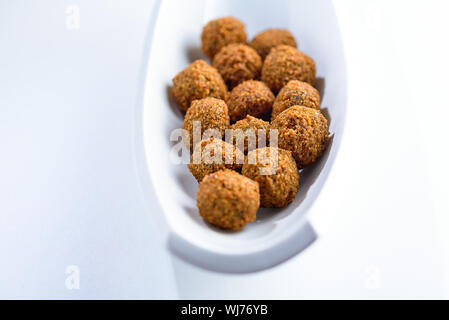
(212, 155)
(227, 199)
(237, 63)
(246, 127)
(212, 113)
(268, 39)
(278, 188)
(303, 131)
(285, 63)
(250, 97)
(199, 80)
(221, 32)
(296, 93)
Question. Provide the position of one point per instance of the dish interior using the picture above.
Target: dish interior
(176, 43)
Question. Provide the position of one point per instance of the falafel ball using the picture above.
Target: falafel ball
(268, 39)
(227, 199)
(199, 80)
(278, 188)
(212, 155)
(250, 97)
(285, 63)
(303, 131)
(296, 93)
(237, 63)
(221, 32)
(244, 127)
(212, 113)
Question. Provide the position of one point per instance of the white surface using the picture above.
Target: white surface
(69, 188)
(277, 234)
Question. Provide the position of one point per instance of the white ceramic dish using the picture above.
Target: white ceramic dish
(277, 234)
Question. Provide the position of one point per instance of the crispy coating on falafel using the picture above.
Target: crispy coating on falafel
(199, 80)
(304, 132)
(212, 155)
(237, 63)
(296, 93)
(268, 39)
(279, 188)
(212, 113)
(285, 63)
(227, 199)
(221, 32)
(250, 97)
(250, 127)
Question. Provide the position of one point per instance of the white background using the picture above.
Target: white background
(69, 188)
(70, 192)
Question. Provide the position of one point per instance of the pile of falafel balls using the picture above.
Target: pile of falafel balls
(264, 84)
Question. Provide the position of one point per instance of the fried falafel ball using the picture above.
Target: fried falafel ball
(249, 128)
(296, 93)
(237, 63)
(213, 155)
(268, 39)
(212, 113)
(227, 199)
(221, 32)
(250, 97)
(277, 176)
(304, 132)
(285, 63)
(199, 80)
